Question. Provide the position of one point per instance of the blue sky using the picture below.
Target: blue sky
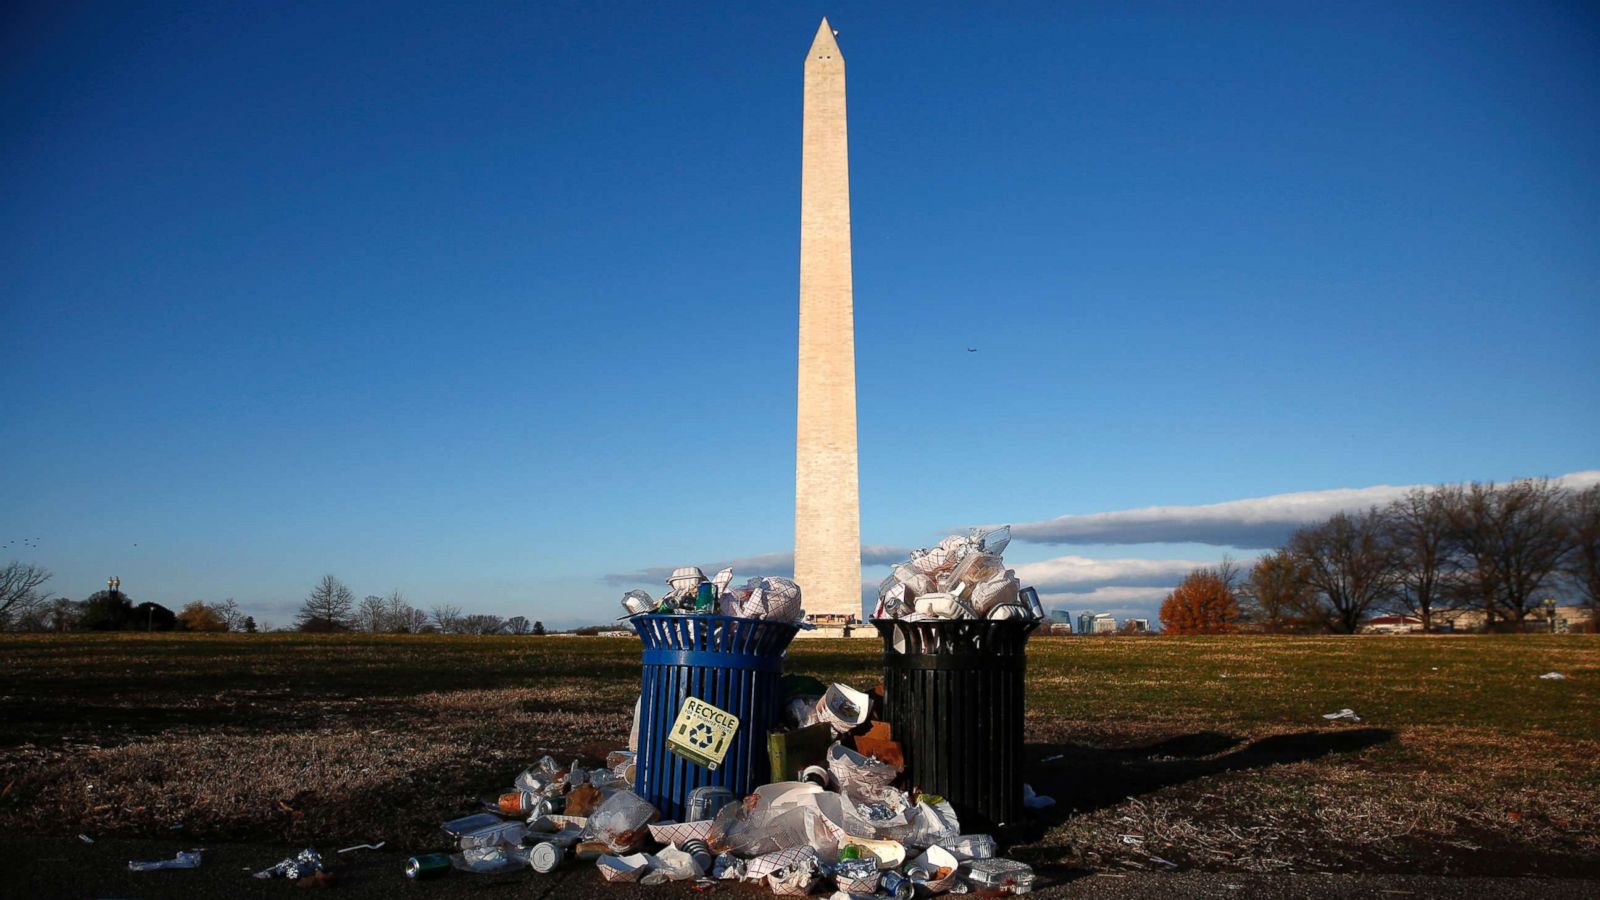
(489, 302)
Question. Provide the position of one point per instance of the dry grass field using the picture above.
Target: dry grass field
(1206, 754)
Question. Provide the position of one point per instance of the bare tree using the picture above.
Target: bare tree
(447, 618)
(228, 612)
(518, 625)
(479, 623)
(1275, 595)
(1517, 537)
(372, 614)
(1583, 523)
(1350, 565)
(19, 589)
(1419, 524)
(401, 617)
(327, 608)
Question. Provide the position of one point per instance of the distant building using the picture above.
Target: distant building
(1136, 626)
(1059, 621)
(1568, 619)
(1096, 623)
(1391, 625)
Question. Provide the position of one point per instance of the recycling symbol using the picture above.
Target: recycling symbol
(700, 735)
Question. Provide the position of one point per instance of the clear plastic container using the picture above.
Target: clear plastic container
(1001, 874)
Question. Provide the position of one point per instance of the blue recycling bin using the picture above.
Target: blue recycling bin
(730, 663)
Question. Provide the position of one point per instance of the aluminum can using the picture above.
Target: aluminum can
(1030, 599)
(896, 885)
(545, 857)
(516, 803)
(428, 865)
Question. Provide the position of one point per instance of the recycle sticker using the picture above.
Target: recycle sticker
(702, 733)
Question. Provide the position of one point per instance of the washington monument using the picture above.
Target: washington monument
(827, 509)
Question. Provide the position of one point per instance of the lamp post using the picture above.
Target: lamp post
(1550, 612)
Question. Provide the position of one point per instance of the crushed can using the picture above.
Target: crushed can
(427, 865)
(546, 857)
(705, 802)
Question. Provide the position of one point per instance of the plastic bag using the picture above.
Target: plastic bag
(621, 821)
(750, 830)
(678, 865)
(930, 823)
(802, 711)
(495, 858)
(854, 771)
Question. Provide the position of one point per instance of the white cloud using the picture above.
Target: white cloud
(1258, 522)
(1080, 574)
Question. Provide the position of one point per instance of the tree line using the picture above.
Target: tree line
(1497, 549)
(330, 607)
(26, 606)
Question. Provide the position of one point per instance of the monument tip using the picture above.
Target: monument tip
(824, 45)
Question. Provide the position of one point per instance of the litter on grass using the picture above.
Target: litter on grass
(1346, 713)
(186, 859)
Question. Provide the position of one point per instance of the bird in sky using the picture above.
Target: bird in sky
(972, 349)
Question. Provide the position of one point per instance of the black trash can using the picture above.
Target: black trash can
(953, 693)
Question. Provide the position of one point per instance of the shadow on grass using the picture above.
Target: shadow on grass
(1084, 779)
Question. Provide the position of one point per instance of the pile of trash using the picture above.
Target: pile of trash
(692, 593)
(846, 819)
(964, 577)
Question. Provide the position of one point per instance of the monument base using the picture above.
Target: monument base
(856, 630)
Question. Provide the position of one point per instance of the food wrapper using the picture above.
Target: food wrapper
(844, 707)
(852, 770)
(796, 880)
(769, 863)
(624, 868)
(764, 598)
(675, 833)
(1002, 590)
(857, 876)
(942, 863)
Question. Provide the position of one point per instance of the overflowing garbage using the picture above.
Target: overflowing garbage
(963, 577)
(690, 592)
(842, 817)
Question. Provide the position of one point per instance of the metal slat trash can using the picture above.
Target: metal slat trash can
(730, 663)
(953, 693)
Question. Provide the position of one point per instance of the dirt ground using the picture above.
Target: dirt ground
(1172, 759)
